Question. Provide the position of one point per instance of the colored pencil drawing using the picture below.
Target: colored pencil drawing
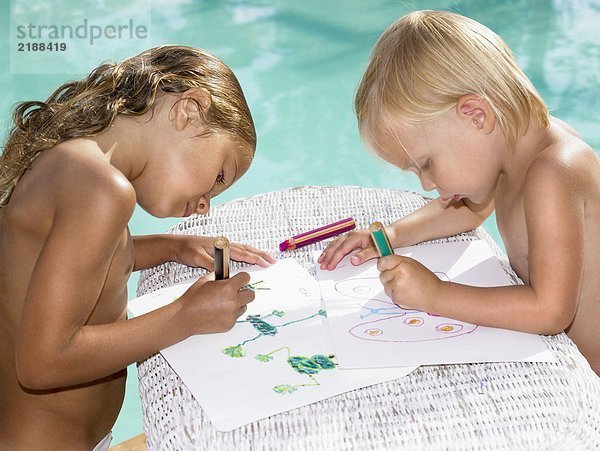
(255, 286)
(302, 365)
(369, 331)
(396, 324)
(285, 323)
(264, 328)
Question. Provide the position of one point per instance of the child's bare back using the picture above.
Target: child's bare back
(574, 195)
(39, 231)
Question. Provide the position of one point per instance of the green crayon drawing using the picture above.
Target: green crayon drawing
(302, 365)
(255, 286)
(263, 328)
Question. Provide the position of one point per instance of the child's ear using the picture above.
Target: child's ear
(192, 107)
(477, 111)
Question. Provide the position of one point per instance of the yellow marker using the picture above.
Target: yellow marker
(380, 239)
(221, 258)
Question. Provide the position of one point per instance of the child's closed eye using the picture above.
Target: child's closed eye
(220, 178)
(426, 165)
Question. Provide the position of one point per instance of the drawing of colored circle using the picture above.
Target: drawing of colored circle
(373, 332)
(449, 328)
(361, 289)
(414, 321)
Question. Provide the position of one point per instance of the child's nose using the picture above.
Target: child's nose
(427, 184)
(203, 206)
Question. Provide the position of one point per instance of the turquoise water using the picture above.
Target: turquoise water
(299, 64)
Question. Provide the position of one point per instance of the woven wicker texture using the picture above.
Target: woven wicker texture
(511, 406)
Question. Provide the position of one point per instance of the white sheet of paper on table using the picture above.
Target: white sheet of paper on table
(369, 331)
(234, 391)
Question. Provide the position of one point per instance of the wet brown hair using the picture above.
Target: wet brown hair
(89, 106)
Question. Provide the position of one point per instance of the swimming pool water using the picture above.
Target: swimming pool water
(299, 64)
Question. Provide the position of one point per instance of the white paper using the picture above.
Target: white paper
(288, 322)
(369, 331)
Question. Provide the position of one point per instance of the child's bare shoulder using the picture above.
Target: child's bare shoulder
(565, 162)
(75, 177)
(82, 161)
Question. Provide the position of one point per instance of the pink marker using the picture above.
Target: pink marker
(319, 234)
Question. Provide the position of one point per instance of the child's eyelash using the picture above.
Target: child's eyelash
(221, 178)
(426, 165)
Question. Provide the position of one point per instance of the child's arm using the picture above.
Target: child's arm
(71, 329)
(552, 264)
(437, 219)
(196, 251)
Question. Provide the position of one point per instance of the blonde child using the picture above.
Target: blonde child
(442, 96)
(168, 128)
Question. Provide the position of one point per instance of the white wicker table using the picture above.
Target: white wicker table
(512, 406)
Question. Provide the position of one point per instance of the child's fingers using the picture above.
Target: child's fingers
(363, 255)
(208, 277)
(239, 280)
(391, 281)
(329, 250)
(256, 260)
(345, 246)
(332, 254)
(386, 277)
(390, 262)
(249, 254)
(262, 254)
(243, 296)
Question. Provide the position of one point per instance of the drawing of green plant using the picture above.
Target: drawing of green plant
(263, 328)
(302, 365)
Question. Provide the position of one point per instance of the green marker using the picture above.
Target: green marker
(381, 240)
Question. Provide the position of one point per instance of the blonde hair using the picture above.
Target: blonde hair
(89, 106)
(425, 61)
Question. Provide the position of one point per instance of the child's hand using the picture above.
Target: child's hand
(198, 251)
(211, 306)
(408, 283)
(343, 245)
